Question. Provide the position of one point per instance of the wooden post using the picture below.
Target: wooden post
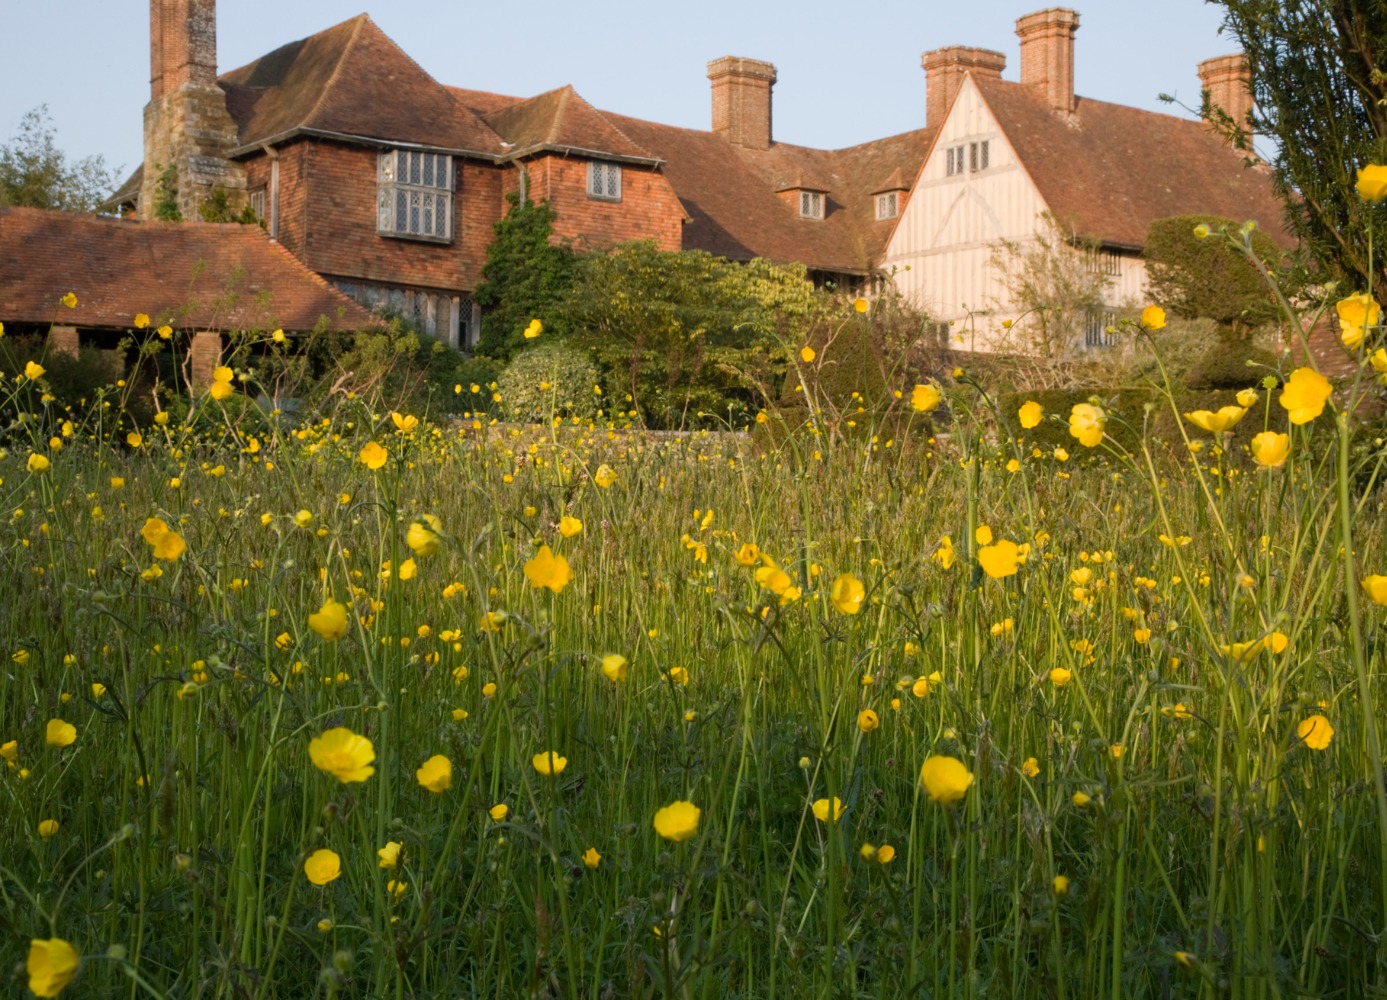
(206, 353)
(64, 340)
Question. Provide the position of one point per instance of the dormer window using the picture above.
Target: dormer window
(604, 180)
(811, 204)
(888, 205)
(414, 195)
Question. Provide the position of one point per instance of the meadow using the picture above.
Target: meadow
(382, 706)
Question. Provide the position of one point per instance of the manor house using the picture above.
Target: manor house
(388, 182)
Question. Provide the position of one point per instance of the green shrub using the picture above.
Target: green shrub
(401, 367)
(72, 381)
(526, 276)
(689, 337)
(849, 367)
(1230, 364)
(549, 380)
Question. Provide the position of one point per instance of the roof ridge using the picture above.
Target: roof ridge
(613, 125)
(564, 92)
(337, 69)
(1031, 91)
(873, 142)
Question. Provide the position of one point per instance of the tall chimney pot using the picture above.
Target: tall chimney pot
(742, 100)
(1228, 79)
(1047, 54)
(944, 72)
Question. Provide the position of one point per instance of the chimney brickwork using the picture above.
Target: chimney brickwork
(742, 100)
(944, 72)
(1047, 54)
(186, 123)
(1228, 80)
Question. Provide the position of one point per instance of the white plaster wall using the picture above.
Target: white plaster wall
(941, 248)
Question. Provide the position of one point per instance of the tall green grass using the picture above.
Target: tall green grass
(1209, 852)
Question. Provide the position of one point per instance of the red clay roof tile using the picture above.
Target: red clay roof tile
(351, 80)
(196, 275)
(561, 120)
(1109, 171)
(730, 194)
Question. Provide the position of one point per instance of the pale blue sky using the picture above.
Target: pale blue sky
(847, 72)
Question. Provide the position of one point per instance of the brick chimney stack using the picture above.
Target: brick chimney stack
(186, 124)
(742, 100)
(1047, 54)
(182, 45)
(944, 72)
(1228, 79)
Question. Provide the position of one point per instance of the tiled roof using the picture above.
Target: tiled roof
(1109, 171)
(483, 102)
(198, 275)
(729, 192)
(351, 80)
(561, 120)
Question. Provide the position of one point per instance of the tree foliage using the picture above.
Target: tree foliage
(1320, 94)
(166, 195)
(218, 207)
(35, 173)
(684, 333)
(1196, 276)
(1050, 279)
(526, 276)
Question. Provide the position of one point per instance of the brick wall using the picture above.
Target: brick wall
(293, 192)
(327, 218)
(648, 209)
(327, 213)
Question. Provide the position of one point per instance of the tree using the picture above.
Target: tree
(1320, 94)
(684, 333)
(35, 173)
(1051, 283)
(1201, 275)
(526, 276)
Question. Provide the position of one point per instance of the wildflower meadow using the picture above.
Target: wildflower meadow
(374, 704)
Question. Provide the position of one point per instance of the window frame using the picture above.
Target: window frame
(1100, 260)
(813, 201)
(891, 199)
(955, 165)
(979, 155)
(1097, 323)
(600, 175)
(433, 190)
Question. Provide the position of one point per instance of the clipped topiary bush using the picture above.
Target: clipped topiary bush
(1230, 364)
(1203, 275)
(848, 359)
(546, 381)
